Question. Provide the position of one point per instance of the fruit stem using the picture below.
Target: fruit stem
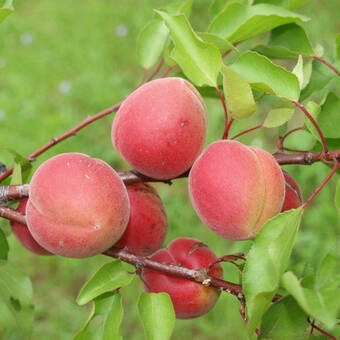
(220, 94)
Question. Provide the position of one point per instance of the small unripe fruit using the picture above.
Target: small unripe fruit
(293, 198)
(160, 128)
(235, 189)
(147, 227)
(190, 299)
(24, 236)
(78, 206)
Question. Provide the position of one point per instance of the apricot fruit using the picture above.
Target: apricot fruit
(147, 227)
(293, 198)
(78, 206)
(24, 236)
(235, 189)
(160, 128)
(190, 299)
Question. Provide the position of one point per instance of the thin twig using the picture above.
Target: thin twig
(321, 186)
(157, 69)
(72, 132)
(248, 130)
(227, 128)
(331, 67)
(316, 125)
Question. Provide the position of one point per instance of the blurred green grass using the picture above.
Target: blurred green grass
(63, 60)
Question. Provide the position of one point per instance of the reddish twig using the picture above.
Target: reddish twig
(12, 215)
(13, 192)
(281, 140)
(316, 125)
(167, 71)
(314, 326)
(157, 69)
(248, 130)
(227, 128)
(145, 74)
(220, 95)
(72, 132)
(321, 186)
(331, 67)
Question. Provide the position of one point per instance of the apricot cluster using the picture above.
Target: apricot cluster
(78, 206)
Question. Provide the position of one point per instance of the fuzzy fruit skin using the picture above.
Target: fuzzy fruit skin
(160, 128)
(293, 198)
(147, 227)
(274, 187)
(78, 205)
(23, 235)
(190, 299)
(235, 188)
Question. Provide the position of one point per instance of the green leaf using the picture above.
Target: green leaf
(329, 117)
(180, 7)
(337, 47)
(16, 178)
(314, 109)
(108, 278)
(16, 293)
(216, 7)
(337, 196)
(285, 320)
(238, 94)
(267, 259)
(157, 315)
(321, 76)
(199, 60)
(298, 71)
(287, 41)
(278, 116)
(26, 166)
(221, 44)
(105, 319)
(300, 140)
(265, 76)
(151, 42)
(4, 248)
(6, 10)
(238, 22)
(289, 4)
(322, 304)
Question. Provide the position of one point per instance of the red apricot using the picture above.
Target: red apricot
(190, 299)
(293, 198)
(160, 128)
(78, 205)
(147, 227)
(235, 189)
(23, 235)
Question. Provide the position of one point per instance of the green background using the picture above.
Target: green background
(61, 61)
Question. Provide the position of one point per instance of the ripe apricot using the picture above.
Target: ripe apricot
(235, 189)
(190, 299)
(78, 206)
(160, 128)
(147, 227)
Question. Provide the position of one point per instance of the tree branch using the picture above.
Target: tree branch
(72, 132)
(14, 192)
(12, 215)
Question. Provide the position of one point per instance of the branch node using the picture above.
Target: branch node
(309, 158)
